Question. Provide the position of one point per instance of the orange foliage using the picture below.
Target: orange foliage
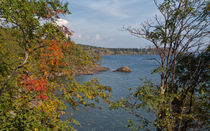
(39, 86)
(52, 56)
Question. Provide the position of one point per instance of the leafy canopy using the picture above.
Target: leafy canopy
(34, 53)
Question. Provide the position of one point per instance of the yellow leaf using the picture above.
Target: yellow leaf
(29, 50)
(104, 95)
(78, 96)
(159, 115)
(45, 73)
(89, 96)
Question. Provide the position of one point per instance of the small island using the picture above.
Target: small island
(123, 69)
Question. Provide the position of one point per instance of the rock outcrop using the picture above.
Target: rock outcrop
(90, 70)
(123, 69)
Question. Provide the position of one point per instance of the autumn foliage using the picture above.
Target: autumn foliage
(38, 86)
(52, 56)
(38, 62)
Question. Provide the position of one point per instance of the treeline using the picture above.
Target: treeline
(119, 51)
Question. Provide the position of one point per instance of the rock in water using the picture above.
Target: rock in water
(123, 69)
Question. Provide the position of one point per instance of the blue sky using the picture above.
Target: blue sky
(100, 22)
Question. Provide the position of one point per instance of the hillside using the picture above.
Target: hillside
(118, 51)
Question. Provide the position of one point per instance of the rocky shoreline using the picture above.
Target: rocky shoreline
(90, 70)
(93, 69)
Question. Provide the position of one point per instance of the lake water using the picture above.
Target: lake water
(115, 120)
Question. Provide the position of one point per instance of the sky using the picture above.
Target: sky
(100, 22)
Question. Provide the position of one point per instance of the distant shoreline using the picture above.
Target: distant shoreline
(119, 51)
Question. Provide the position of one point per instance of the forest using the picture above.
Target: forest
(118, 51)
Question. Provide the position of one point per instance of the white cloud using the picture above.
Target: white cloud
(111, 7)
(99, 22)
(77, 36)
(98, 37)
(61, 22)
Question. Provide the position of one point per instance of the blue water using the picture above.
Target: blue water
(115, 120)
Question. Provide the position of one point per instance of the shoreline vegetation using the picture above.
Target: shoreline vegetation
(119, 51)
(87, 70)
(100, 51)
